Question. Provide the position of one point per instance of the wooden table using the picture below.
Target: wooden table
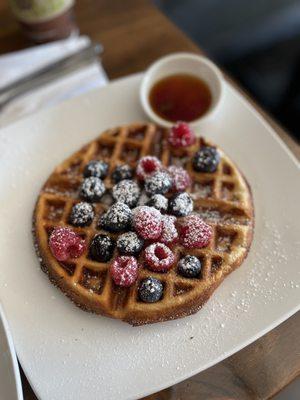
(134, 33)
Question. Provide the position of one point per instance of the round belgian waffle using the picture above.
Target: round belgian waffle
(223, 199)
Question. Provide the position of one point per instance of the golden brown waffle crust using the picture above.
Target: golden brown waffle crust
(110, 301)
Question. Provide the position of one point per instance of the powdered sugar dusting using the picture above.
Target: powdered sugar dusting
(169, 232)
(159, 257)
(129, 243)
(126, 191)
(159, 202)
(181, 204)
(158, 183)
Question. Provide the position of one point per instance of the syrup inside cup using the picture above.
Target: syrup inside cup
(183, 87)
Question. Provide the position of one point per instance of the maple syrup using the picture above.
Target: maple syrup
(180, 97)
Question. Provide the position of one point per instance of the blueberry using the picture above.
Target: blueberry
(150, 290)
(206, 159)
(189, 266)
(122, 172)
(127, 192)
(96, 168)
(129, 243)
(158, 183)
(159, 202)
(101, 248)
(181, 204)
(118, 218)
(82, 214)
(92, 189)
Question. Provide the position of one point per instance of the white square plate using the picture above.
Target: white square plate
(69, 354)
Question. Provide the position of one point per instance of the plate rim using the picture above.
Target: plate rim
(12, 352)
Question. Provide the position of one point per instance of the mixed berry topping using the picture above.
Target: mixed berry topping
(118, 218)
(159, 257)
(169, 234)
(82, 214)
(181, 204)
(129, 243)
(96, 168)
(194, 232)
(180, 177)
(158, 183)
(151, 220)
(127, 192)
(189, 267)
(181, 135)
(159, 202)
(101, 248)
(147, 166)
(206, 159)
(147, 222)
(150, 290)
(92, 189)
(122, 172)
(65, 244)
(124, 270)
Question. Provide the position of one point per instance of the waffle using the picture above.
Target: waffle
(223, 199)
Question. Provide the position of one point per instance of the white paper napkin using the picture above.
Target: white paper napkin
(18, 64)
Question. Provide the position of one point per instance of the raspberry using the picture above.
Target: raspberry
(147, 221)
(180, 177)
(65, 243)
(147, 166)
(194, 232)
(169, 234)
(181, 135)
(159, 257)
(124, 270)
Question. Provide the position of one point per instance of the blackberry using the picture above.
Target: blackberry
(118, 218)
(189, 267)
(206, 159)
(159, 202)
(127, 192)
(96, 168)
(122, 172)
(92, 189)
(82, 214)
(129, 243)
(158, 183)
(150, 290)
(181, 204)
(101, 248)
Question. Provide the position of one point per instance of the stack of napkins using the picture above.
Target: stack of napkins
(15, 65)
